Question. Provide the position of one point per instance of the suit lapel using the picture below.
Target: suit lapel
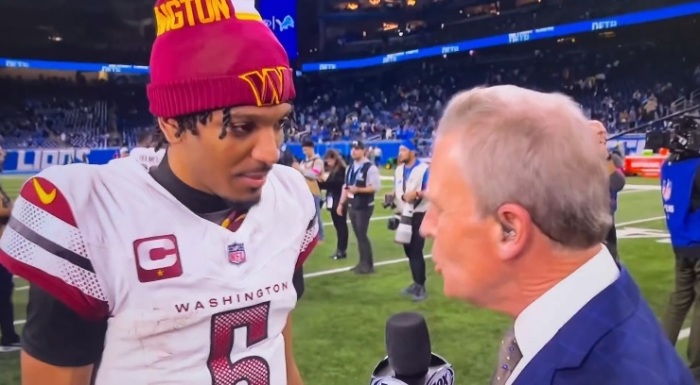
(576, 338)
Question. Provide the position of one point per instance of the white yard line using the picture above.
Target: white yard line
(684, 333)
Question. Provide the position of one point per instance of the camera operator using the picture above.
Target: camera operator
(410, 179)
(361, 183)
(680, 190)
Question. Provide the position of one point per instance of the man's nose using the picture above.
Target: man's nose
(266, 149)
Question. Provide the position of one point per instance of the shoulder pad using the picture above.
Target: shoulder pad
(57, 188)
(290, 178)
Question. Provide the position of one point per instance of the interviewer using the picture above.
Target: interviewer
(519, 210)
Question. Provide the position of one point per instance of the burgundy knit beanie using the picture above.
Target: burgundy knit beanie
(211, 54)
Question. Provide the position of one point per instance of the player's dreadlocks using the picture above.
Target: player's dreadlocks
(189, 123)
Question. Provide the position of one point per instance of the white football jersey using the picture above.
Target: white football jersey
(189, 302)
(147, 157)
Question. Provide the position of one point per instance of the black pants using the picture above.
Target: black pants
(7, 313)
(414, 250)
(685, 295)
(359, 219)
(340, 222)
(611, 242)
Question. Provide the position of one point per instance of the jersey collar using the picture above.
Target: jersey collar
(197, 201)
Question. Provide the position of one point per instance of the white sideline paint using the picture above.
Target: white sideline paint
(642, 187)
(683, 335)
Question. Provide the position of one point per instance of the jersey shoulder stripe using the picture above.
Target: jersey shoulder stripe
(43, 244)
(311, 238)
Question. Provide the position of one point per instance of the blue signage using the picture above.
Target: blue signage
(281, 17)
(608, 23)
(30, 161)
(630, 144)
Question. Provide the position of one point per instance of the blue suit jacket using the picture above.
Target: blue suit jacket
(614, 340)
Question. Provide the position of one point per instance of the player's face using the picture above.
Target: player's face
(234, 167)
(601, 136)
(357, 153)
(465, 245)
(308, 151)
(404, 154)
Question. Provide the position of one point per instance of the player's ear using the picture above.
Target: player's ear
(169, 128)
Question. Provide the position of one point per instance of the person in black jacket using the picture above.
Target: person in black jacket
(614, 164)
(9, 339)
(333, 184)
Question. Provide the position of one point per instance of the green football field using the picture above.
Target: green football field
(339, 324)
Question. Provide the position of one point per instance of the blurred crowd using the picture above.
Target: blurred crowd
(623, 86)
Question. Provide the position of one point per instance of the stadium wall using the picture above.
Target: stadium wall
(29, 161)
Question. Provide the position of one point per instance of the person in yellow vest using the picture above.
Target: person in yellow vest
(410, 179)
(311, 168)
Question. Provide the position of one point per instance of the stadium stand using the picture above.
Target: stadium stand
(403, 102)
(623, 77)
(628, 77)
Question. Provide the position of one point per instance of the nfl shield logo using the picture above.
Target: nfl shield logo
(666, 189)
(236, 253)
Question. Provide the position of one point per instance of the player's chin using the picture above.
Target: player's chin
(244, 194)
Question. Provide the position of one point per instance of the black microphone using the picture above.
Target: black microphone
(410, 360)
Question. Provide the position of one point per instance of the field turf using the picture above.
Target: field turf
(339, 324)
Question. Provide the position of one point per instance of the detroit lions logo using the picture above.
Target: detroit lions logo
(277, 24)
(286, 23)
(666, 189)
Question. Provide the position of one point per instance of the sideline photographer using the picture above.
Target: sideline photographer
(680, 190)
(410, 179)
(361, 183)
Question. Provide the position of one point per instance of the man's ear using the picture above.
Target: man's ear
(515, 230)
(596, 124)
(169, 128)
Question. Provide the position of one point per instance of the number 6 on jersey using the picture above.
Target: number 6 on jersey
(254, 370)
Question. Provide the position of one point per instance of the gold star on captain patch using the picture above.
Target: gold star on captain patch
(160, 272)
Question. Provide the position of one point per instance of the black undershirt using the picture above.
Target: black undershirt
(58, 336)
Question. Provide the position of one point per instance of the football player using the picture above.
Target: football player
(145, 152)
(187, 273)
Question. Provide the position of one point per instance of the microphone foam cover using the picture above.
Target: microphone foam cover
(408, 344)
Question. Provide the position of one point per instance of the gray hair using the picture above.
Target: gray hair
(536, 150)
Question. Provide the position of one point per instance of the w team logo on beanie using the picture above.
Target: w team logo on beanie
(211, 54)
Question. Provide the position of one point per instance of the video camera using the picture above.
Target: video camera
(682, 137)
(389, 203)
